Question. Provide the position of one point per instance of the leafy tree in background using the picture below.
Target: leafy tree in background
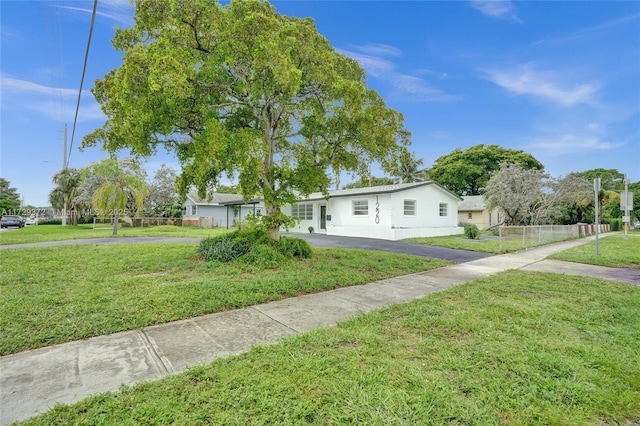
(468, 172)
(610, 179)
(9, 197)
(366, 183)
(162, 194)
(67, 188)
(240, 90)
(531, 196)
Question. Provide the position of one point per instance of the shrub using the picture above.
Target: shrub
(265, 256)
(295, 247)
(471, 231)
(223, 248)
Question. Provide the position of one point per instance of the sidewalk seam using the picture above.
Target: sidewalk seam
(255, 308)
(160, 360)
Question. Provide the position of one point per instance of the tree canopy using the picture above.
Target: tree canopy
(243, 92)
(9, 198)
(468, 172)
(531, 196)
(120, 193)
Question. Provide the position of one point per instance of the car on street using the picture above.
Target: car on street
(31, 220)
(11, 220)
(637, 225)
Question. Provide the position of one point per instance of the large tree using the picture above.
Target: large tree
(240, 91)
(531, 196)
(9, 198)
(162, 194)
(467, 172)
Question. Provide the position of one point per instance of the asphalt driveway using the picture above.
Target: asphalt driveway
(452, 255)
(317, 240)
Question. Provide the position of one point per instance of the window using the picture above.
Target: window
(409, 207)
(302, 211)
(470, 215)
(360, 207)
(443, 209)
(194, 210)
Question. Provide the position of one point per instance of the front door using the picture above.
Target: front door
(323, 218)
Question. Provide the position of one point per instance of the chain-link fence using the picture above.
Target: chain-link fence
(136, 222)
(514, 238)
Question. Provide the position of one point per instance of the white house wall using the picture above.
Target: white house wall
(388, 208)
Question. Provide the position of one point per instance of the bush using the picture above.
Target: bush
(471, 231)
(265, 256)
(295, 247)
(223, 248)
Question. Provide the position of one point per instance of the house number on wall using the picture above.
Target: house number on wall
(377, 211)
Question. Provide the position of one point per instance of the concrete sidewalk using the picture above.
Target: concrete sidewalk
(32, 382)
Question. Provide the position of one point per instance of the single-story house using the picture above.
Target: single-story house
(219, 210)
(390, 212)
(473, 209)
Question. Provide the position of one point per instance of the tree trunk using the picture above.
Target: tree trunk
(273, 224)
(115, 223)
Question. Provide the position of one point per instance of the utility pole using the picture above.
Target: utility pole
(627, 215)
(596, 188)
(64, 169)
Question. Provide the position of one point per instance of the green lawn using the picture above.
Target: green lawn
(613, 251)
(41, 233)
(55, 295)
(517, 348)
(458, 242)
(482, 245)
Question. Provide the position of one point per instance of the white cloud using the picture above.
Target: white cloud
(404, 86)
(497, 9)
(51, 102)
(120, 11)
(548, 85)
(14, 85)
(379, 49)
(567, 143)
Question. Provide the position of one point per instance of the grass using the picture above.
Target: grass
(517, 348)
(55, 295)
(42, 233)
(613, 251)
(462, 243)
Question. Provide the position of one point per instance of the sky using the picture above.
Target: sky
(559, 80)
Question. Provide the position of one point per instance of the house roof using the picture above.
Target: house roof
(472, 203)
(384, 189)
(216, 199)
(235, 199)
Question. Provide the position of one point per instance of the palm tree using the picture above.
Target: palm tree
(120, 189)
(408, 169)
(64, 194)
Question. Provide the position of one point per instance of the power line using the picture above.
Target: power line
(84, 69)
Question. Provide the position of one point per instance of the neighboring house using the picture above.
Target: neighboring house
(220, 210)
(390, 212)
(473, 209)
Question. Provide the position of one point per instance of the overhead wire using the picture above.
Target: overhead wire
(84, 69)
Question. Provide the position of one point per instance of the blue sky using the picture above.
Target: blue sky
(560, 80)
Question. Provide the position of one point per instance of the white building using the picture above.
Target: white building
(390, 212)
